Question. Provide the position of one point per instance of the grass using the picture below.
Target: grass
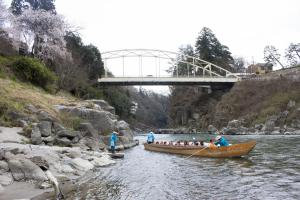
(14, 96)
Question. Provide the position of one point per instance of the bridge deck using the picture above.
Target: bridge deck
(167, 81)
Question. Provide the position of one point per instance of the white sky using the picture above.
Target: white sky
(245, 26)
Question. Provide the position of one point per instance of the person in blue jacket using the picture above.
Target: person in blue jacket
(150, 138)
(113, 141)
(221, 141)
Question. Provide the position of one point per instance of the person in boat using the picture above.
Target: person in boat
(113, 140)
(221, 141)
(150, 137)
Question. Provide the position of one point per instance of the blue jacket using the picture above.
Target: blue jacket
(222, 142)
(150, 137)
(113, 139)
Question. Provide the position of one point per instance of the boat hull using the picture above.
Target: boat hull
(235, 150)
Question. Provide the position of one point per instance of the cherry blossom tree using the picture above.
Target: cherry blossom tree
(43, 32)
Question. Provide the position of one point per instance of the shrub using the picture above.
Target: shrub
(33, 71)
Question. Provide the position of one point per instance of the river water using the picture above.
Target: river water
(270, 171)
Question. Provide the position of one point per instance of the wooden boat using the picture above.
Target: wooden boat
(234, 150)
(116, 155)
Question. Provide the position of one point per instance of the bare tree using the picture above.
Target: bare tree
(271, 55)
(292, 54)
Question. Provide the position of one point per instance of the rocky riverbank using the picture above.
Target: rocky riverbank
(66, 153)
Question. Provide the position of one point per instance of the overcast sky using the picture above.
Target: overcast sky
(245, 26)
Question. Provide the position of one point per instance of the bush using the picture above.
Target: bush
(33, 71)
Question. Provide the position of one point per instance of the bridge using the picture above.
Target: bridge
(157, 67)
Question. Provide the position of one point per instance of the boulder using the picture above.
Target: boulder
(103, 104)
(3, 166)
(101, 161)
(211, 129)
(291, 104)
(24, 169)
(67, 133)
(62, 142)
(6, 179)
(92, 143)
(45, 128)
(234, 124)
(48, 139)
(122, 125)
(36, 136)
(100, 120)
(81, 164)
(87, 130)
(44, 116)
(58, 127)
(31, 108)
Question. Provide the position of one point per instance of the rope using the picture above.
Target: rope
(196, 152)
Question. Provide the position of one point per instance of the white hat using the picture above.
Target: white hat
(218, 137)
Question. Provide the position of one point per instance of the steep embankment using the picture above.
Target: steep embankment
(270, 104)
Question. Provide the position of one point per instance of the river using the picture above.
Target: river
(270, 171)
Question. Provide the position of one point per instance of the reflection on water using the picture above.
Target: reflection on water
(271, 171)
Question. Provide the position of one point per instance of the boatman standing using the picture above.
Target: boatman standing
(150, 137)
(113, 141)
(221, 141)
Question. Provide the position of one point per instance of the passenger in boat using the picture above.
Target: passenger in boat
(221, 141)
(113, 140)
(150, 137)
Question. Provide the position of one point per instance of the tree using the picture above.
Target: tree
(43, 32)
(271, 55)
(292, 53)
(3, 14)
(239, 64)
(209, 48)
(19, 6)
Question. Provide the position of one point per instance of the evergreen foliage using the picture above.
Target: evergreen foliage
(210, 49)
(33, 71)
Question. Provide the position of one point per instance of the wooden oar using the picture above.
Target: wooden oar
(196, 152)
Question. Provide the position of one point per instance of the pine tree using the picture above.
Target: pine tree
(209, 48)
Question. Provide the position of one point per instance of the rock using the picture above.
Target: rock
(102, 161)
(22, 123)
(87, 130)
(67, 133)
(269, 126)
(100, 120)
(31, 108)
(45, 128)
(103, 104)
(6, 179)
(44, 185)
(91, 143)
(234, 124)
(211, 129)
(82, 165)
(258, 126)
(62, 141)
(291, 104)
(73, 154)
(3, 166)
(41, 162)
(24, 169)
(44, 116)
(297, 132)
(122, 125)
(36, 137)
(48, 139)
(275, 132)
(58, 127)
